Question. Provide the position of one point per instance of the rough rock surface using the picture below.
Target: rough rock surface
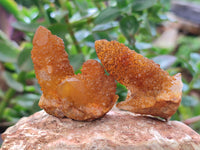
(116, 130)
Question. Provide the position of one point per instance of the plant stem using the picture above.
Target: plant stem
(192, 120)
(71, 32)
(43, 11)
(6, 100)
(72, 35)
(98, 5)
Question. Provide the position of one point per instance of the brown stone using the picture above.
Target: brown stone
(116, 130)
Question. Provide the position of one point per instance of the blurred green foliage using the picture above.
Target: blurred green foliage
(79, 23)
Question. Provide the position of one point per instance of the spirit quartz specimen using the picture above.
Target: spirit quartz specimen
(151, 91)
(86, 96)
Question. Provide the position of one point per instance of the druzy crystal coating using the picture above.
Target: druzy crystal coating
(86, 96)
(151, 90)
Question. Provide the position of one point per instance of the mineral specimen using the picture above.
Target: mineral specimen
(51, 66)
(86, 96)
(151, 90)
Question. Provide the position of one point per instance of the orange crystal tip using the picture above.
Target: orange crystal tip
(50, 60)
(51, 66)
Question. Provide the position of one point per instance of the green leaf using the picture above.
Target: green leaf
(105, 26)
(81, 34)
(26, 100)
(25, 26)
(12, 82)
(77, 19)
(189, 41)
(5, 39)
(29, 88)
(197, 109)
(24, 60)
(185, 112)
(139, 5)
(59, 15)
(11, 6)
(121, 92)
(11, 115)
(194, 60)
(10, 66)
(81, 5)
(8, 53)
(120, 88)
(185, 64)
(108, 14)
(185, 87)
(129, 26)
(165, 61)
(30, 75)
(196, 84)
(35, 107)
(189, 101)
(121, 3)
(59, 29)
(1, 94)
(76, 61)
(142, 45)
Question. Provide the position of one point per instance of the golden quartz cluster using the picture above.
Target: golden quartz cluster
(151, 90)
(91, 94)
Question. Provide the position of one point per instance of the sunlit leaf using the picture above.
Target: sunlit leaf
(189, 101)
(58, 15)
(142, 45)
(11, 6)
(26, 100)
(11, 115)
(185, 87)
(25, 26)
(129, 26)
(139, 5)
(185, 112)
(105, 26)
(29, 88)
(196, 84)
(108, 14)
(165, 61)
(185, 42)
(81, 5)
(81, 34)
(59, 29)
(5, 39)
(7, 53)
(11, 82)
(24, 60)
(77, 18)
(76, 61)
(194, 60)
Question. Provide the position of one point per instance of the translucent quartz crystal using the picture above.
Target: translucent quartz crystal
(86, 96)
(51, 66)
(151, 90)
